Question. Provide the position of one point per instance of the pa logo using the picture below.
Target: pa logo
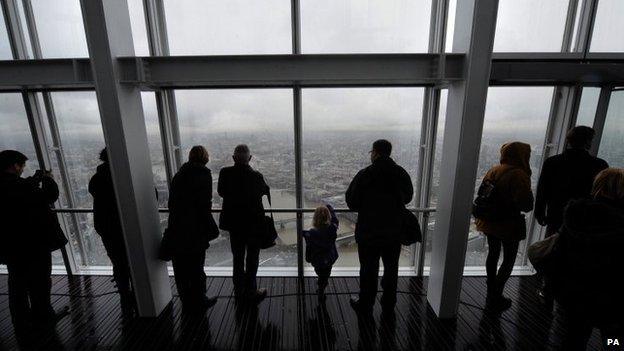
(613, 342)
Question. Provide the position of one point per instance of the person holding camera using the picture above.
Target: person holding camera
(30, 231)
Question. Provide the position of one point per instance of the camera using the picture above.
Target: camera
(40, 173)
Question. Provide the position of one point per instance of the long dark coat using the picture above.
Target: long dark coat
(28, 223)
(565, 177)
(379, 193)
(190, 208)
(242, 188)
(105, 212)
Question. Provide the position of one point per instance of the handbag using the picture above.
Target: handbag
(268, 234)
(541, 252)
(411, 232)
(56, 239)
(167, 246)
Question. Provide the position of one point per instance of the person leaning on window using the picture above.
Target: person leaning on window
(29, 232)
(192, 225)
(108, 225)
(589, 261)
(513, 195)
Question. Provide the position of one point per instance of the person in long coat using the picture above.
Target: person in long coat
(242, 188)
(29, 232)
(379, 194)
(512, 179)
(108, 225)
(192, 225)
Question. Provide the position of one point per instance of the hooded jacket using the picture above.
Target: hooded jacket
(591, 260)
(513, 185)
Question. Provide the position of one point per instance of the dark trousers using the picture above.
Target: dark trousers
(190, 277)
(323, 274)
(29, 288)
(497, 280)
(245, 263)
(369, 256)
(116, 251)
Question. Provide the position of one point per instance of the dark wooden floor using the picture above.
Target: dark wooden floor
(287, 321)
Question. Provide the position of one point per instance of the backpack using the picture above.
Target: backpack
(489, 205)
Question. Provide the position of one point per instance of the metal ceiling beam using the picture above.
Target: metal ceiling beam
(312, 70)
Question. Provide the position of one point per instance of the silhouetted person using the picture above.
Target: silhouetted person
(590, 260)
(321, 250)
(28, 230)
(565, 177)
(192, 224)
(108, 225)
(512, 184)
(379, 193)
(242, 188)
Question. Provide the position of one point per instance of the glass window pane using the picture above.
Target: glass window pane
(362, 26)
(587, 107)
(82, 138)
(139, 30)
(262, 119)
(5, 45)
(214, 27)
(511, 114)
(612, 141)
(450, 25)
(435, 177)
(14, 130)
(60, 28)
(608, 27)
(530, 25)
(339, 127)
(154, 141)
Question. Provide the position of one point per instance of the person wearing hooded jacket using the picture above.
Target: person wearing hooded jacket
(512, 179)
(192, 224)
(589, 265)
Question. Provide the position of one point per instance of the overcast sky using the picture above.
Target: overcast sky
(262, 27)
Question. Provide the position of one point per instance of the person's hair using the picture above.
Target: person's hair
(198, 154)
(241, 153)
(609, 184)
(104, 155)
(321, 218)
(382, 147)
(580, 137)
(9, 158)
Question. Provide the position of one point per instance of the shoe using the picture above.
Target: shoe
(359, 307)
(321, 295)
(208, 302)
(499, 303)
(258, 295)
(387, 304)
